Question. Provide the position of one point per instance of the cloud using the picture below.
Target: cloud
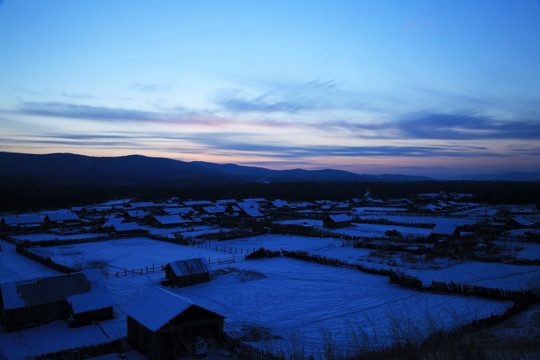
(290, 98)
(465, 127)
(150, 88)
(102, 113)
(65, 110)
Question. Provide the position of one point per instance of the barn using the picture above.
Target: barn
(163, 325)
(80, 295)
(336, 221)
(187, 272)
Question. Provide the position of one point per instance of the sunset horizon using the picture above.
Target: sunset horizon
(445, 90)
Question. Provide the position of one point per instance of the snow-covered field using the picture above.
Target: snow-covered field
(378, 230)
(412, 219)
(298, 303)
(57, 237)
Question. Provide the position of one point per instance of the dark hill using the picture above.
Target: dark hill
(142, 170)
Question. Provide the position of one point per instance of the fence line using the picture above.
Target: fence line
(161, 268)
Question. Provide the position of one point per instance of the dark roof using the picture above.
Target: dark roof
(189, 267)
(19, 294)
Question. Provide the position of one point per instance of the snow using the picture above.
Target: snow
(306, 297)
(14, 266)
(371, 209)
(378, 230)
(56, 237)
(169, 219)
(491, 275)
(94, 300)
(157, 307)
(413, 219)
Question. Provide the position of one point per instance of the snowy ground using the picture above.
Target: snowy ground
(48, 237)
(378, 230)
(292, 299)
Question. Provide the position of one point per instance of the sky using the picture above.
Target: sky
(440, 88)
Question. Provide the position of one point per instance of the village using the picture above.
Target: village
(262, 278)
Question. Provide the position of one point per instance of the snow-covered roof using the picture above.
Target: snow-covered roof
(26, 293)
(90, 301)
(199, 202)
(250, 208)
(15, 220)
(157, 307)
(62, 216)
(169, 219)
(189, 267)
(179, 210)
(523, 221)
(279, 203)
(126, 227)
(340, 218)
(137, 213)
(112, 221)
(444, 228)
(143, 204)
(218, 209)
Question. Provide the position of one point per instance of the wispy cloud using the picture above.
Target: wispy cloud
(150, 88)
(290, 98)
(465, 127)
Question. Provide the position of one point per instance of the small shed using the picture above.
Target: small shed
(336, 221)
(187, 272)
(53, 298)
(164, 325)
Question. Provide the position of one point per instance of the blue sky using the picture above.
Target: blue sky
(434, 87)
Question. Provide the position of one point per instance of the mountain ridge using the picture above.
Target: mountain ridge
(139, 169)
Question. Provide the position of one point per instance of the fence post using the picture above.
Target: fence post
(133, 271)
(117, 274)
(125, 271)
(233, 258)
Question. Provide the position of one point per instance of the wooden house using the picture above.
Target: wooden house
(336, 221)
(187, 272)
(21, 221)
(62, 218)
(81, 295)
(163, 325)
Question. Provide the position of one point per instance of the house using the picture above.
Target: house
(444, 230)
(136, 214)
(168, 220)
(62, 218)
(126, 228)
(21, 221)
(163, 325)
(187, 272)
(250, 208)
(81, 296)
(338, 220)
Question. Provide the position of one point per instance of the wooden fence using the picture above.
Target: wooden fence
(161, 268)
